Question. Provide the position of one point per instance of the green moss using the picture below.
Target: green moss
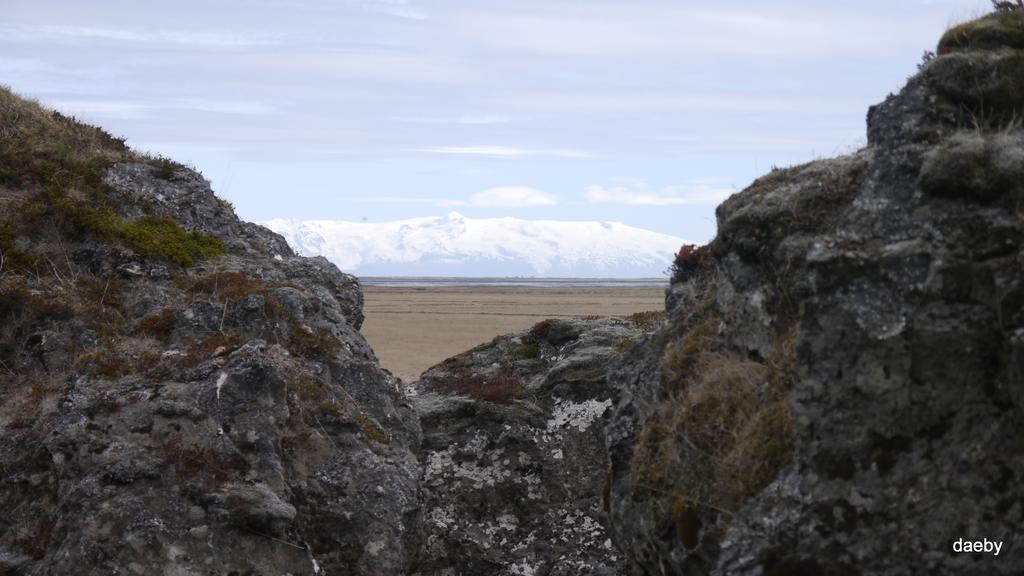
(1004, 29)
(371, 429)
(526, 351)
(163, 238)
(623, 344)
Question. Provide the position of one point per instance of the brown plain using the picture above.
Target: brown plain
(414, 328)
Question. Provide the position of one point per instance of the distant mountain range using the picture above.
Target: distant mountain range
(454, 245)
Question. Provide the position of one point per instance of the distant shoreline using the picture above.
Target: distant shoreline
(452, 281)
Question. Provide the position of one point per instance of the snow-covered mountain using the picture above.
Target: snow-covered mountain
(454, 245)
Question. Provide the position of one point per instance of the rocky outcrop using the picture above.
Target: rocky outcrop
(867, 314)
(513, 452)
(180, 393)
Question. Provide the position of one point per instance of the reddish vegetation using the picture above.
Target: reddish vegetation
(502, 389)
(689, 259)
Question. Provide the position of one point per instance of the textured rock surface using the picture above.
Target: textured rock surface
(512, 484)
(899, 272)
(226, 419)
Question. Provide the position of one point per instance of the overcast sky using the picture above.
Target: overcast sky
(647, 112)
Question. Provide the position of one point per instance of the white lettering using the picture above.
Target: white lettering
(985, 545)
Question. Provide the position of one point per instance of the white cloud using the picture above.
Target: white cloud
(506, 197)
(504, 152)
(397, 8)
(468, 120)
(135, 110)
(390, 200)
(242, 107)
(675, 29)
(190, 38)
(636, 193)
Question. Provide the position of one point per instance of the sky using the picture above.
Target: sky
(647, 112)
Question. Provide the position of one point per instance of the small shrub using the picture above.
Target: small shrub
(160, 325)
(165, 167)
(541, 329)
(225, 204)
(1007, 5)
(690, 259)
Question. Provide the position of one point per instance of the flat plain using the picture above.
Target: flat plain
(414, 328)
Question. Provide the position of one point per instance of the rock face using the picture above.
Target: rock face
(220, 417)
(879, 299)
(513, 453)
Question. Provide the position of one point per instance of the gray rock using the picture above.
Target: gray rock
(898, 275)
(513, 453)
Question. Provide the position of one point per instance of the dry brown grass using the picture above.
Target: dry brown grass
(213, 346)
(222, 286)
(647, 320)
(192, 460)
(724, 430)
(680, 356)
(312, 343)
(26, 397)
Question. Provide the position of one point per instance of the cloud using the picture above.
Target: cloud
(468, 120)
(506, 197)
(611, 30)
(637, 193)
(390, 200)
(91, 34)
(503, 152)
(134, 110)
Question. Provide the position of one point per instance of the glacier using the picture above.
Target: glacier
(454, 245)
